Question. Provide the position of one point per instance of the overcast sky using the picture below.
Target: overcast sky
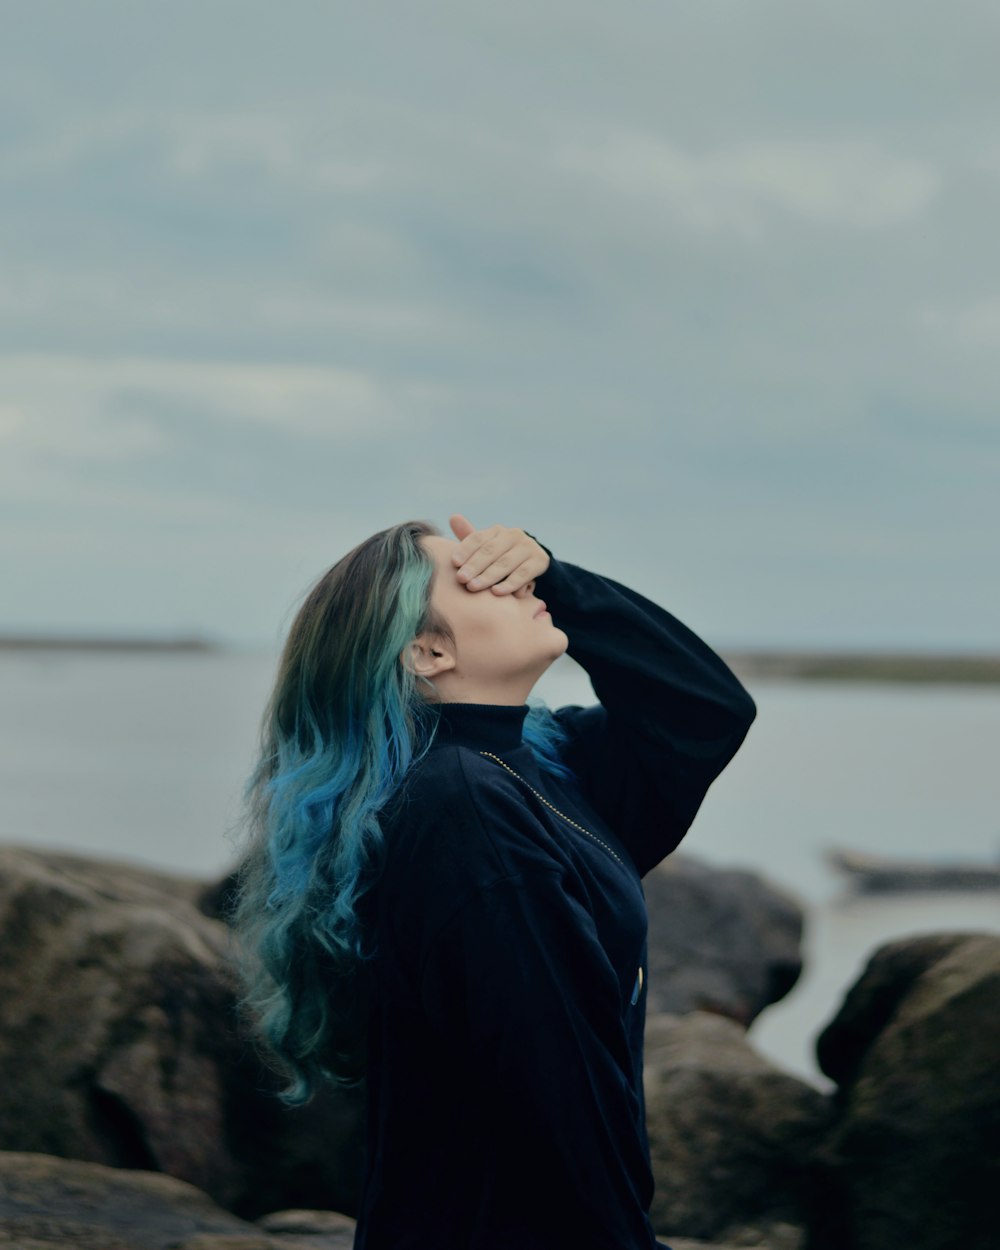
(706, 295)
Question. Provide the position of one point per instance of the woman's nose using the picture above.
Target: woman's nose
(526, 589)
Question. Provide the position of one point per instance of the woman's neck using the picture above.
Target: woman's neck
(508, 692)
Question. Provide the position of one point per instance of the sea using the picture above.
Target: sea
(142, 756)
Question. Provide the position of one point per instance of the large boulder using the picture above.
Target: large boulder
(721, 940)
(119, 1044)
(48, 1203)
(915, 1155)
(732, 1137)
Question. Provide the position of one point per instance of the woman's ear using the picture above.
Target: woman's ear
(428, 655)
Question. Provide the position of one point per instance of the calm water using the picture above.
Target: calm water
(143, 756)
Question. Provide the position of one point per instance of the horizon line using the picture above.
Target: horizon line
(780, 662)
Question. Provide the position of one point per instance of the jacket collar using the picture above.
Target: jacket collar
(482, 726)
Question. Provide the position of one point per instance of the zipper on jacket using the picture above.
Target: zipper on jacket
(551, 806)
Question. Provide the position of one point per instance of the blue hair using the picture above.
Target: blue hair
(546, 738)
(344, 725)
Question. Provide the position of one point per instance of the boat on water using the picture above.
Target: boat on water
(874, 874)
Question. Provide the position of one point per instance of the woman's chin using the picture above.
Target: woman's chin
(560, 642)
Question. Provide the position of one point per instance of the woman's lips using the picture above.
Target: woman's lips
(541, 609)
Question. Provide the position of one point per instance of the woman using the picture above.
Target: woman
(442, 894)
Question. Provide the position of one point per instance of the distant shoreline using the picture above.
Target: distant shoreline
(901, 666)
(31, 642)
(788, 665)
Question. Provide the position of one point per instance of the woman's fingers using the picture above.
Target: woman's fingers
(504, 569)
(492, 561)
(461, 526)
(521, 576)
(500, 556)
(470, 539)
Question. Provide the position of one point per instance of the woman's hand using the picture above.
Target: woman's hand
(499, 557)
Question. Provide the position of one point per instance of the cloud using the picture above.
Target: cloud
(57, 394)
(853, 184)
(274, 146)
(975, 324)
(11, 420)
(119, 432)
(287, 149)
(65, 145)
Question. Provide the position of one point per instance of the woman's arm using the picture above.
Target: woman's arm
(672, 714)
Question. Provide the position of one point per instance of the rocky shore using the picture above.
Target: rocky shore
(134, 1116)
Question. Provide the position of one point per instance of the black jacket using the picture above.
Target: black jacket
(504, 1092)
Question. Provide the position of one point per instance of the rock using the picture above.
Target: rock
(226, 1241)
(872, 1002)
(45, 1201)
(915, 1155)
(688, 1244)
(119, 1044)
(685, 1243)
(732, 1138)
(342, 1240)
(307, 1223)
(720, 940)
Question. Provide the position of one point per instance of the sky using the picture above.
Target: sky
(704, 295)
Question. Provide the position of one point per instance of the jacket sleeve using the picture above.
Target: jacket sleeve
(671, 716)
(518, 973)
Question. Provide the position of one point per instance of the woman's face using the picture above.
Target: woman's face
(502, 643)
